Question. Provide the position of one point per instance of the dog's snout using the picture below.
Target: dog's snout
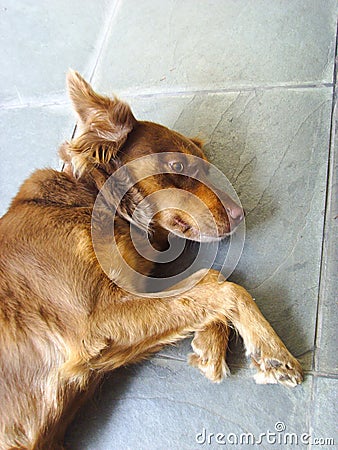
(234, 212)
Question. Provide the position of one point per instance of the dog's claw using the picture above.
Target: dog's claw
(273, 370)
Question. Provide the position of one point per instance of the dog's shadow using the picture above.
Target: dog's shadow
(98, 415)
(98, 411)
(193, 257)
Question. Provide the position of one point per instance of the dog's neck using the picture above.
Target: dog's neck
(158, 236)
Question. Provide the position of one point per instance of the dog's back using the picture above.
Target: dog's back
(41, 298)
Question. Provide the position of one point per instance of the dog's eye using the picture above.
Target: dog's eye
(177, 166)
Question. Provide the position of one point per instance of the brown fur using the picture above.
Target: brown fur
(64, 323)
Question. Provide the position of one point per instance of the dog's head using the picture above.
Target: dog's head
(109, 137)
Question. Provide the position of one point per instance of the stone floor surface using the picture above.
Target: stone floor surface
(256, 80)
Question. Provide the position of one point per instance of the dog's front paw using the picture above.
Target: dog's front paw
(282, 368)
(209, 347)
(213, 369)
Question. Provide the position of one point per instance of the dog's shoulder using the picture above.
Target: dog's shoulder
(50, 188)
(48, 205)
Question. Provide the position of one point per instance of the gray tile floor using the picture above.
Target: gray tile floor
(255, 79)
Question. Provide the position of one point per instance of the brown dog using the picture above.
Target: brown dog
(64, 322)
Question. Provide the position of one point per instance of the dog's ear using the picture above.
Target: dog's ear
(197, 141)
(104, 122)
(90, 105)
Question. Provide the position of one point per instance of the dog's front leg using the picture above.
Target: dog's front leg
(126, 330)
(273, 361)
(269, 355)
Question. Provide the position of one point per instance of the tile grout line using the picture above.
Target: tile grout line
(34, 104)
(309, 416)
(107, 27)
(327, 209)
(230, 90)
(159, 94)
(319, 318)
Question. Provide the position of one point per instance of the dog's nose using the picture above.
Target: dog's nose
(235, 213)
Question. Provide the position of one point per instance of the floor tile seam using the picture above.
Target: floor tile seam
(33, 104)
(107, 29)
(230, 90)
(326, 224)
(107, 26)
(323, 374)
(310, 410)
(46, 102)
